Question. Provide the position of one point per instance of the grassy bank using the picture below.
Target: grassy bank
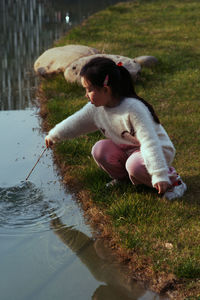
(161, 238)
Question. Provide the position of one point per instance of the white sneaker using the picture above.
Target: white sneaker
(176, 191)
(112, 182)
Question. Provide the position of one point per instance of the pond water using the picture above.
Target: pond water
(46, 250)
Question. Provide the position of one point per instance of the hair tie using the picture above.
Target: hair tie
(119, 64)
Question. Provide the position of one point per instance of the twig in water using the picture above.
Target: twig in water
(36, 163)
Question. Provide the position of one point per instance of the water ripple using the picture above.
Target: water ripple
(24, 206)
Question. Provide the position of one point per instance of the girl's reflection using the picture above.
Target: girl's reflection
(101, 264)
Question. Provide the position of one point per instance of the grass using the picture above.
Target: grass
(143, 222)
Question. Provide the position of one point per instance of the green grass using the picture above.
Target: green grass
(145, 223)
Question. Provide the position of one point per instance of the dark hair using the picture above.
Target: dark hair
(119, 79)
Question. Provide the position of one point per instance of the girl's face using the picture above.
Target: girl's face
(97, 96)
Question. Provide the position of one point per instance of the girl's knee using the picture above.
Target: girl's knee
(134, 169)
(99, 150)
(137, 171)
(133, 165)
(134, 172)
(96, 150)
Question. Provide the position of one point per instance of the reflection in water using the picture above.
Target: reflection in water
(28, 28)
(99, 260)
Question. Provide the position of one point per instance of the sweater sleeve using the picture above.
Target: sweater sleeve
(79, 123)
(151, 148)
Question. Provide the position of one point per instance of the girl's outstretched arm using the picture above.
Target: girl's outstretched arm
(81, 122)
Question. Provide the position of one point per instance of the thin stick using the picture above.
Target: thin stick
(36, 163)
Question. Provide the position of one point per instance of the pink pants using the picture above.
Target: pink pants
(121, 161)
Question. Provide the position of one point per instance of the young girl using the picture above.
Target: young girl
(137, 145)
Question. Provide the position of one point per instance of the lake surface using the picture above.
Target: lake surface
(47, 250)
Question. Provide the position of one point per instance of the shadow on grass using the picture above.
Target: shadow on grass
(192, 195)
(96, 181)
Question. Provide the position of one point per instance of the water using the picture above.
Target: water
(46, 250)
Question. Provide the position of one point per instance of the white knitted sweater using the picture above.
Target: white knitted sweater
(130, 116)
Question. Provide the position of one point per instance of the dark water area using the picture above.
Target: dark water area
(28, 28)
(47, 251)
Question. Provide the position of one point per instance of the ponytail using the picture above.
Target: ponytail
(127, 90)
(117, 77)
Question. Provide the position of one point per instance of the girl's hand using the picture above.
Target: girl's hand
(49, 142)
(162, 187)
